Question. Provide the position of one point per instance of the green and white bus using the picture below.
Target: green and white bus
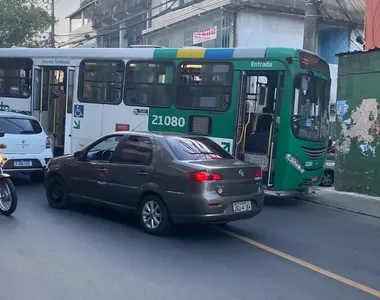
(267, 106)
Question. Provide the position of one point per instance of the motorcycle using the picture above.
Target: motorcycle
(8, 195)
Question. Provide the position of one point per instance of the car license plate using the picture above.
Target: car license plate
(23, 163)
(242, 206)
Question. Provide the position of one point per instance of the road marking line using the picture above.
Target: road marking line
(305, 264)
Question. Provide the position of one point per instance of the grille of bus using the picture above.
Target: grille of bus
(315, 154)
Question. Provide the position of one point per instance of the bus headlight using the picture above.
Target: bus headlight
(294, 162)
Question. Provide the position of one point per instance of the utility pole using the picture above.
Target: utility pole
(52, 33)
(312, 14)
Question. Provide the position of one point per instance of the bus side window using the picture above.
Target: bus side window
(149, 83)
(204, 86)
(101, 81)
(15, 77)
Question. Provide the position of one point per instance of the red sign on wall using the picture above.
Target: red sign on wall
(122, 127)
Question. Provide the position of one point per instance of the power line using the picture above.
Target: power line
(347, 33)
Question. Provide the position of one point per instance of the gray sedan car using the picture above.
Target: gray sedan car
(163, 178)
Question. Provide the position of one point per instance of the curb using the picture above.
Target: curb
(355, 203)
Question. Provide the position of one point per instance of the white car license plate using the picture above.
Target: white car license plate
(23, 163)
(242, 206)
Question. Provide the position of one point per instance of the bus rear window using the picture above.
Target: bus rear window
(196, 148)
(15, 77)
(11, 125)
(204, 86)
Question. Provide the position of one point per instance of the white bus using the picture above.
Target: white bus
(75, 93)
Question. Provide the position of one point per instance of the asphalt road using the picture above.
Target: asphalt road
(91, 254)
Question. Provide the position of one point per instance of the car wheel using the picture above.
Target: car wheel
(154, 216)
(56, 193)
(327, 179)
(37, 177)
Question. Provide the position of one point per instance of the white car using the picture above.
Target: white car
(25, 146)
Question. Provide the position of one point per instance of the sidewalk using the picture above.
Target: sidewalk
(363, 204)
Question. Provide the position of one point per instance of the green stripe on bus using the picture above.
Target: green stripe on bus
(165, 53)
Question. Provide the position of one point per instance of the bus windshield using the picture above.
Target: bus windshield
(310, 108)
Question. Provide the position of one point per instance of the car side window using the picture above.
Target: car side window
(103, 150)
(135, 150)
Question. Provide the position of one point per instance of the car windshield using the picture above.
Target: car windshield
(310, 110)
(197, 148)
(15, 125)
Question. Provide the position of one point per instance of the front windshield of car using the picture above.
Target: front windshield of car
(310, 108)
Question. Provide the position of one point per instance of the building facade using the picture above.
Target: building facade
(80, 26)
(119, 23)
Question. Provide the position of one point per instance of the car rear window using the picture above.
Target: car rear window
(186, 148)
(12, 125)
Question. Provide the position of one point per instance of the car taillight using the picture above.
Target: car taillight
(258, 175)
(48, 143)
(203, 176)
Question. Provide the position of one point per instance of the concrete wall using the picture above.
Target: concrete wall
(358, 124)
(261, 29)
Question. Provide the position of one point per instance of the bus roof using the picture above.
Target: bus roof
(152, 53)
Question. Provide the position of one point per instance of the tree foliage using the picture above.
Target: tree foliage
(22, 22)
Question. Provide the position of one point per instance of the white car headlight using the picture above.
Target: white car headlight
(294, 162)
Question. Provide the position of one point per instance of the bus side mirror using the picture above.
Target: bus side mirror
(2, 133)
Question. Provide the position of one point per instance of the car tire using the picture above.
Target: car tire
(327, 179)
(56, 193)
(159, 224)
(37, 177)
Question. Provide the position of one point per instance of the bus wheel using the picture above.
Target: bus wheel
(327, 179)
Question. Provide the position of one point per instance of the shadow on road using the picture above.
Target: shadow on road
(132, 221)
(184, 232)
(281, 201)
(21, 180)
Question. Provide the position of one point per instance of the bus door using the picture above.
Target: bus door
(69, 109)
(256, 139)
(37, 87)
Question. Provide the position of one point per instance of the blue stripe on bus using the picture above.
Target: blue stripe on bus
(219, 53)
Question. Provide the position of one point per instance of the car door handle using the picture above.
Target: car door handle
(103, 170)
(142, 173)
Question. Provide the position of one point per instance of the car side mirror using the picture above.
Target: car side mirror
(78, 154)
(2, 133)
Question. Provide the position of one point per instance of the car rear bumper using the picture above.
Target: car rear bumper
(222, 214)
(38, 162)
(217, 218)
